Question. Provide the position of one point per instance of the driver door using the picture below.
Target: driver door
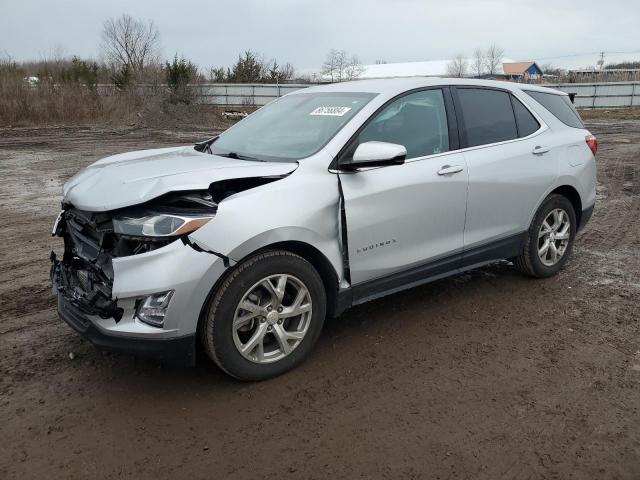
(407, 218)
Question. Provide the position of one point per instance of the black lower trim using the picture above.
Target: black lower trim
(363, 292)
(504, 248)
(586, 216)
(344, 301)
(508, 247)
(179, 351)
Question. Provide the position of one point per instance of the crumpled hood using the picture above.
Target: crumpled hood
(136, 177)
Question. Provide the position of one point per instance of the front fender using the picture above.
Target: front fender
(288, 234)
(302, 207)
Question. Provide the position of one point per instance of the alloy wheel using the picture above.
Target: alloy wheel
(554, 236)
(272, 318)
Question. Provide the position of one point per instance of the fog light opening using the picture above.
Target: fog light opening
(152, 308)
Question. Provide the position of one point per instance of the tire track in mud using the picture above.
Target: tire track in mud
(609, 247)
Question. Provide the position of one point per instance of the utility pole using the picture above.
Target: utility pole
(601, 61)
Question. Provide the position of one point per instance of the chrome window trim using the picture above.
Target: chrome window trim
(543, 128)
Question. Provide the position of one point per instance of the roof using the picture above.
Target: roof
(431, 68)
(394, 86)
(517, 68)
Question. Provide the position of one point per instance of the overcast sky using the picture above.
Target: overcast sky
(212, 33)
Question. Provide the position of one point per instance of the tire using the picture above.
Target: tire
(224, 341)
(530, 262)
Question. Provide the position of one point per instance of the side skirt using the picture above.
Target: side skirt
(473, 258)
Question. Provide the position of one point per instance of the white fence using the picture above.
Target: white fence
(238, 94)
(603, 95)
(587, 95)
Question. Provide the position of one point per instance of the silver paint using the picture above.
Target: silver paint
(430, 206)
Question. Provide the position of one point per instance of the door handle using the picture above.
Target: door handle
(539, 150)
(448, 169)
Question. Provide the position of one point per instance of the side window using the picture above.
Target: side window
(418, 121)
(488, 116)
(560, 106)
(527, 123)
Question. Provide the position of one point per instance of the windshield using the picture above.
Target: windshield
(292, 127)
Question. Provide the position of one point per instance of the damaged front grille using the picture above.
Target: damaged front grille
(84, 275)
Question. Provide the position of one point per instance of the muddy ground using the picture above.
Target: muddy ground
(482, 376)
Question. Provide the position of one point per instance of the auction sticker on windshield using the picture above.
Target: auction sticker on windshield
(331, 111)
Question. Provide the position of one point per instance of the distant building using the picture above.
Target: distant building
(431, 68)
(507, 69)
(522, 71)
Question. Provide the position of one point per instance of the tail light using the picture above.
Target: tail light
(592, 143)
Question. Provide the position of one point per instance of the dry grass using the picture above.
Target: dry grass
(24, 104)
(66, 93)
(622, 113)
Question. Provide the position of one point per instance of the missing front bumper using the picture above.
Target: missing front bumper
(68, 283)
(175, 351)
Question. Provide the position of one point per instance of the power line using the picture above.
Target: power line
(587, 53)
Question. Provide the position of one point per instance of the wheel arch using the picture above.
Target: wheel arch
(320, 262)
(571, 194)
(312, 254)
(567, 190)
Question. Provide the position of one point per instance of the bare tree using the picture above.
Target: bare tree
(329, 67)
(279, 73)
(287, 71)
(339, 66)
(477, 63)
(353, 68)
(130, 43)
(335, 64)
(550, 69)
(493, 59)
(458, 66)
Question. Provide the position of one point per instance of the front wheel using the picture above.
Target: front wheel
(549, 239)
(265, 317)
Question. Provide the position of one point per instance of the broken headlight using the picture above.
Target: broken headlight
(159, 225)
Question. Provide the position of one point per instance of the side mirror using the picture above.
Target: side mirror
(376, 154)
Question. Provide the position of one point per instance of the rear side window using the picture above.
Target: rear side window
(488, 116)
(560, 106)
(527, 124)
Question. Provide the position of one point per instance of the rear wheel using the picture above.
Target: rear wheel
(266, 316)
(549, 239)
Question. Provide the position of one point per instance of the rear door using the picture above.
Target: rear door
(510, 164)
(402, 216)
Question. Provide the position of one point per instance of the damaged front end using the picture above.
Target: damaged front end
(84, 275)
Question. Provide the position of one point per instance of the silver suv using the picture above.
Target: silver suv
(326, 198)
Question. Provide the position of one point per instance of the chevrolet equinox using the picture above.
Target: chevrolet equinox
(328, 197)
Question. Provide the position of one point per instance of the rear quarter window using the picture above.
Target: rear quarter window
(527, 124)
(559, 106)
